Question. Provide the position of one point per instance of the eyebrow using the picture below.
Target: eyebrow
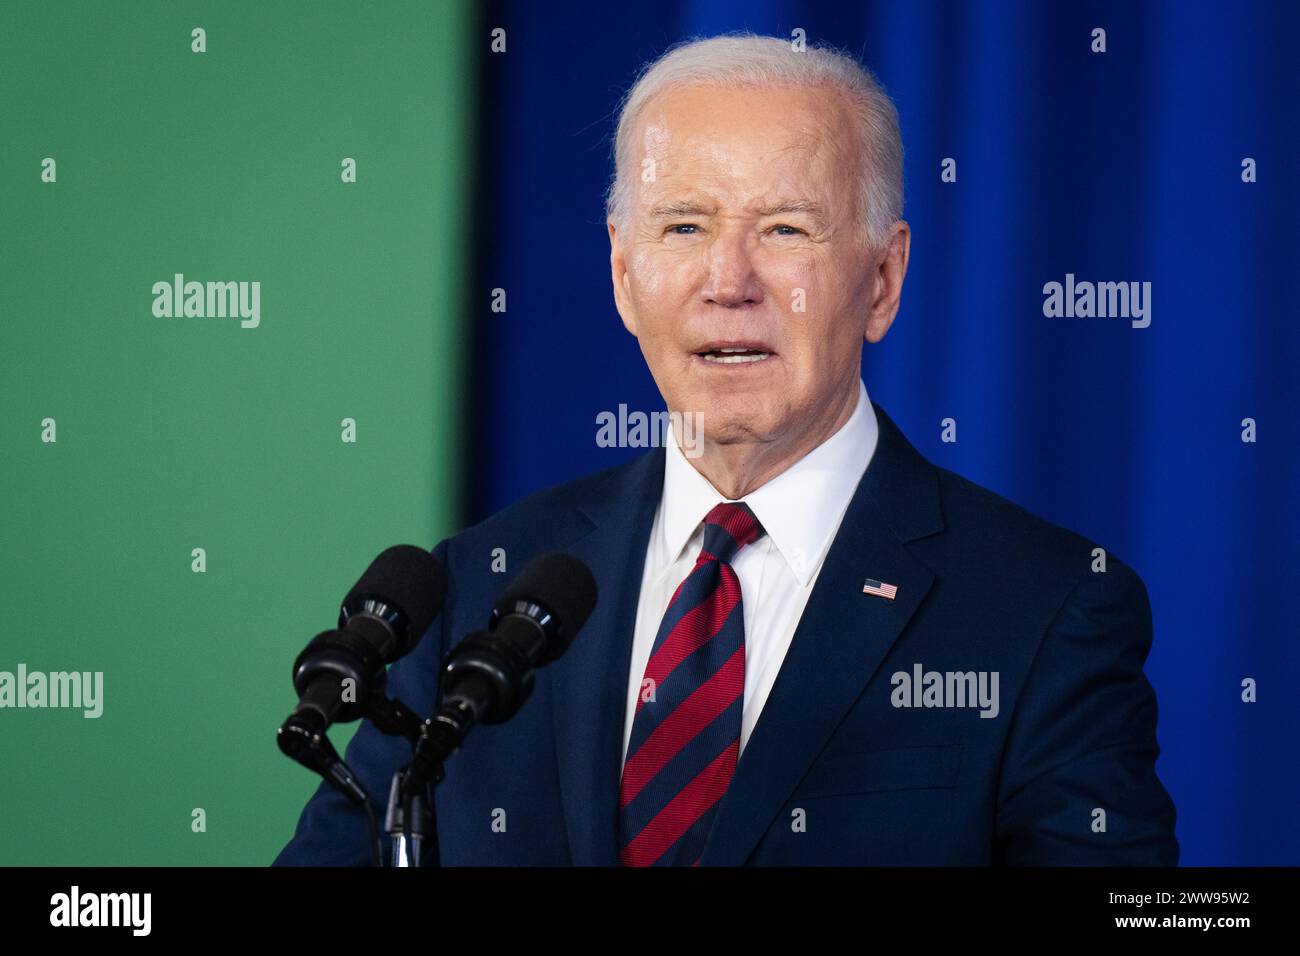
(680, 207)
(805, 206)
(689, 207)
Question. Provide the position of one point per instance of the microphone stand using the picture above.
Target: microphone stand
(412, 816)
(410, 819)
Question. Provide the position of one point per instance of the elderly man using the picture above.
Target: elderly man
(811, 645)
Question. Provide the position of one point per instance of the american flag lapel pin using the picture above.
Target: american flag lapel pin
(880, 589)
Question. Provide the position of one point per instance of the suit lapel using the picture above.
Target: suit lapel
(840, 640)
(591, 680)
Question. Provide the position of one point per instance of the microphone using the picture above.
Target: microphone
(532, 624)
(343, 671)
(488, 676)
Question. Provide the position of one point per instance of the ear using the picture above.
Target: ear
(890, 272)
(618, 274)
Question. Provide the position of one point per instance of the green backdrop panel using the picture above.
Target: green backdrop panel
(184, 432)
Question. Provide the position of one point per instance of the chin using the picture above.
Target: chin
(731, 416)
(739, 435)
(727, 428)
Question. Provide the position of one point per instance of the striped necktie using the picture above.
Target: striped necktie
(686, 732)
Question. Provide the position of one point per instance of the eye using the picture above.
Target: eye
(681, 225)
(791, 230)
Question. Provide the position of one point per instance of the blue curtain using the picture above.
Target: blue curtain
(1116, 166)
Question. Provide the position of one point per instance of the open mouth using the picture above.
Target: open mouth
(734, 356)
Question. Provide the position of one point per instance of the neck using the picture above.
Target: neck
(737, 468)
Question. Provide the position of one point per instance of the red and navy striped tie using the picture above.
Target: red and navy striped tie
(686, 733)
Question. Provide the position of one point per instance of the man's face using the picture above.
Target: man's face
(744, 235)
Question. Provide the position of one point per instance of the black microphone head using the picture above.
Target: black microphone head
(405, 577)
(562, 585)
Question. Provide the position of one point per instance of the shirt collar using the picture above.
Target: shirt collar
(800, 509)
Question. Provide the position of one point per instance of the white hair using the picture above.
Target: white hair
(749, 60)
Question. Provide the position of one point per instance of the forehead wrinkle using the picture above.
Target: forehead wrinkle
(816, 138)
(717, 174)
(786, 166)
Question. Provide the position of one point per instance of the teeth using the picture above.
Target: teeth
(727, 356)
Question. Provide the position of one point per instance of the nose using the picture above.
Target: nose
(731, 279)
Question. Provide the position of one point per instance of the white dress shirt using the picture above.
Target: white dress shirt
(800, 509)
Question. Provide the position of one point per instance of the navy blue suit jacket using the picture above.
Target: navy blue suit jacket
(835, 771)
